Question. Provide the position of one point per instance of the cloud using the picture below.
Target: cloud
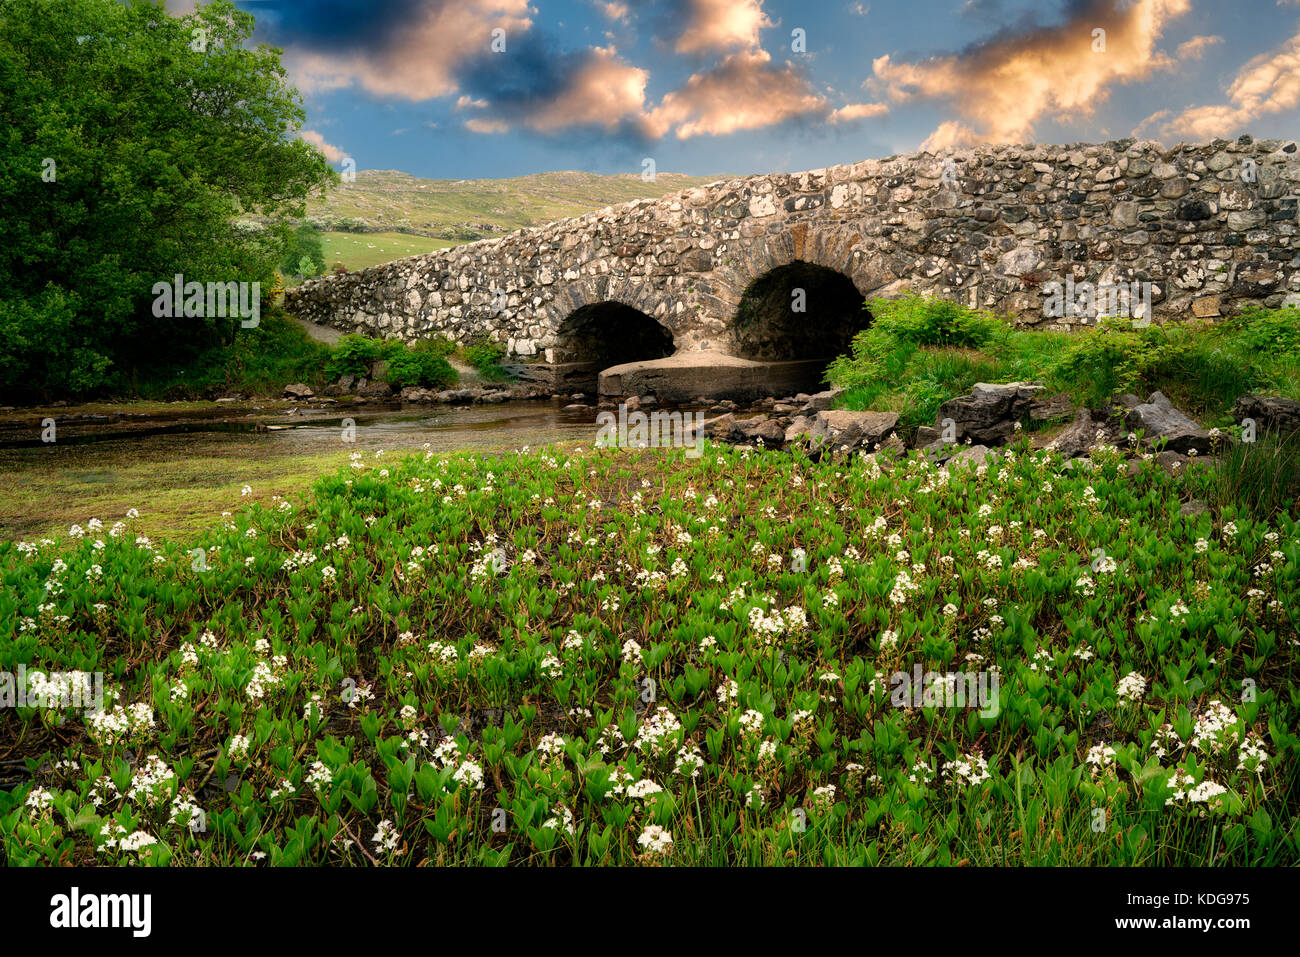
(332, 153)
(1000, 88)
(411, 49)
(618, 12)
(722, 25)
(547, 90)
(950, 134)
(1268, 83)
(743, 92)
(604, 91)
(1195, 48)
(857, 111)
(1143, 128)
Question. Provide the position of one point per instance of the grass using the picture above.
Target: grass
(919, 353)
(466, 209)
(43, 491)
(362, 250)
(638, 658)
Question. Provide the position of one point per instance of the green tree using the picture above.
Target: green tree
(304, 246)
(130, 142)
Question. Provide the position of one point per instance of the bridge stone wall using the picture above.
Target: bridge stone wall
(991, 226)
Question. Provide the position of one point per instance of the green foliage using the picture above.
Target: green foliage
(259, 361)
(1270, 331)
(1120, 648)
(128, 149)
(1261, 478)
(930, 321)
(919, 353)
(424, 364)
(352, 355)
(304, 253)
(423, 369)
(484, 355)
(435, 345)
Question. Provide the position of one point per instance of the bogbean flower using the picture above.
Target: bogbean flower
(656, 841)
(967, 770)
(1131, 687)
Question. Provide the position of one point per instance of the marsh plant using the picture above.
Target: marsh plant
(626, 657)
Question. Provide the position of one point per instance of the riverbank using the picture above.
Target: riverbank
(182, 464)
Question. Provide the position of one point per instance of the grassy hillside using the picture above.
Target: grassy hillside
(360, 250)
(467, 209)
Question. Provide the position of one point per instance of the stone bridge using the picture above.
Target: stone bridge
(750, 285)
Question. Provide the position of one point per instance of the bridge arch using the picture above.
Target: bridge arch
(609, 333)
(799, 295)
(798, 312)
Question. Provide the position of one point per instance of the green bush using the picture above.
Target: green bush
(930, 321)
(127, 161)
(260, 361)
(1275, 331)
(352, 355)
(424, 369)
(483, 356)
(436, 345)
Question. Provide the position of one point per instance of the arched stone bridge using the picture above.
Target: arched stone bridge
(741, 277)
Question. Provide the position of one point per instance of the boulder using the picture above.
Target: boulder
(856, 431)
(1165, 427)
(770, 431)
(1157, 417)
(1271, 414)
(455, 396)
(971, 455)
(822, 401)
(990, 412)
(1082, 435)
(298, 390)
(1047, 408)
(797, 429)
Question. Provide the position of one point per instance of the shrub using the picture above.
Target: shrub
(1275, 331)
(352, 355)
(424, 369)
(484, 355)
(436, 345)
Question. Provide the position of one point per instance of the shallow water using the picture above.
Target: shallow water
(509, 425)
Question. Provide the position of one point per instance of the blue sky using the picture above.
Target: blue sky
(714, 86)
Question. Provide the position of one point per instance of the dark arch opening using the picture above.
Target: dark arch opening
(609, 334)
(798, 312)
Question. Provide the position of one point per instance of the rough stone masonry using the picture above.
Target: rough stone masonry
(1212, 227)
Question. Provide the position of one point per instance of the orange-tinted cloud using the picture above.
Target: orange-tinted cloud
(722, 25)
(950, 134)
(421, 61)
(1001, 88)
(603, 92)
(332, 153)
(1268, 83)
(1195, 48)
(857, 111)
(743, 92)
